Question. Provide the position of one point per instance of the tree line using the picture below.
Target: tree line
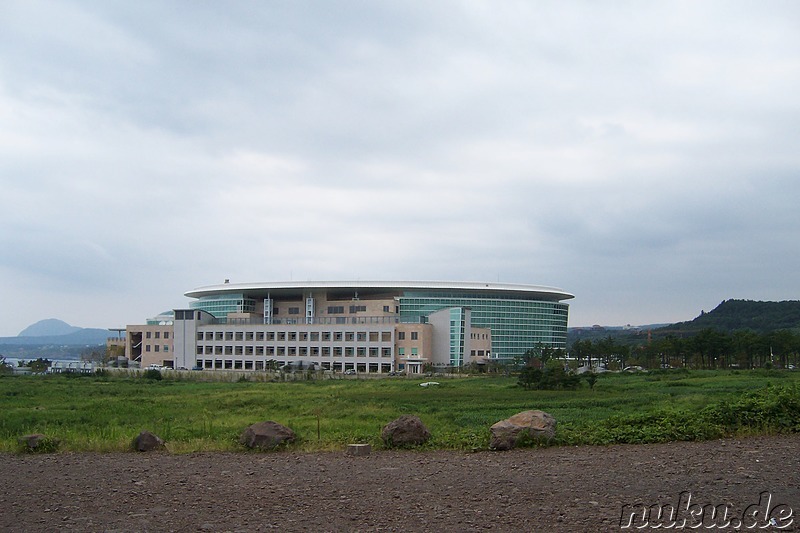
(707, 349)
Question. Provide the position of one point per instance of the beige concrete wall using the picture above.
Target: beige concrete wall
(423, 342)
(362, 307)
(480, 343)
(150, 344)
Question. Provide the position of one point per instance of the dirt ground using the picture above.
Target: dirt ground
(549, 489)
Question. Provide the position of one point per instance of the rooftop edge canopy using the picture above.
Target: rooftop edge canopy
(366, 287)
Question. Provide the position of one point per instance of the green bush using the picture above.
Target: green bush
(553, 377)
(771, 409)
(768, 410)
(152, 373)
(663, 425)
(42, 445)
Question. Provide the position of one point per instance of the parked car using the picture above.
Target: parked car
(350, 372)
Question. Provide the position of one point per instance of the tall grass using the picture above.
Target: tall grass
(105, 413)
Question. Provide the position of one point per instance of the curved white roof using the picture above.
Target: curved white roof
(289, 287)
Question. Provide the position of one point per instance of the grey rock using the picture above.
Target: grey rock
(266, 435)
(535, 425)
(407, 430)
(147, 442)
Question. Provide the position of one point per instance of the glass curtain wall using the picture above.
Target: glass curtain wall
(517, 324)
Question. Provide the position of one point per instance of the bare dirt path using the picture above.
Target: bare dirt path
(551, 489)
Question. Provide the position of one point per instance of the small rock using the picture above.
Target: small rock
(404, 431)
(536, 425)
(266, 435)
(147, 441)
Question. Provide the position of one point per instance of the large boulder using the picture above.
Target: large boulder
(266, 435)
(408, 430)
(147, 442)
(533, 425)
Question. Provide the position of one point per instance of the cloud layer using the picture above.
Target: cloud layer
(641, 156)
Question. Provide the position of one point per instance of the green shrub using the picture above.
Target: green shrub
(768, 410)
(152, 373)
(529, 378)
(553, 377)
(40, 445)
(663, 425)
(771, 409)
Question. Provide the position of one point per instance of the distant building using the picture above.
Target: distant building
(362, 326)
(71, 367)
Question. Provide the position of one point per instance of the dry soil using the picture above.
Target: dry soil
(544, 489)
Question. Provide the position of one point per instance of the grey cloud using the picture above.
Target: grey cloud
(640, 156)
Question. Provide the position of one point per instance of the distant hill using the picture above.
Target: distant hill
(56, 332)
(49, 327)
(596, 333)
(732, 315)
(82, 337)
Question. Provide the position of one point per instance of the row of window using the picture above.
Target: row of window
(303, 351)
(402, 352)
(401, 335)
(332, 309)
(155, 334)
(239, 364)
(156, 347)
(293, 336)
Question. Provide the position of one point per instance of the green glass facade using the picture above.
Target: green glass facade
(221, 305)
(517, 324)
(457, 333)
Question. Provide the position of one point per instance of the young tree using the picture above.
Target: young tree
(94, 354)
(541, 353)
(582, 351)
(529, 377)
(5, 368)
(711, 346)
(39, 365)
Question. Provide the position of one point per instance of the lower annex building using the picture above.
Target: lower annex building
(365, 326)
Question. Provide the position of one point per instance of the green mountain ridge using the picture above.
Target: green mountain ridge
(733, 315)
(729, 316)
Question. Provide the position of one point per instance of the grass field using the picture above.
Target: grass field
(104, 413)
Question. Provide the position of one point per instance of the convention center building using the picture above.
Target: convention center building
(358, 326)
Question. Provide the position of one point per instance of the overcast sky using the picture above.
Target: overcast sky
(644, 156)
